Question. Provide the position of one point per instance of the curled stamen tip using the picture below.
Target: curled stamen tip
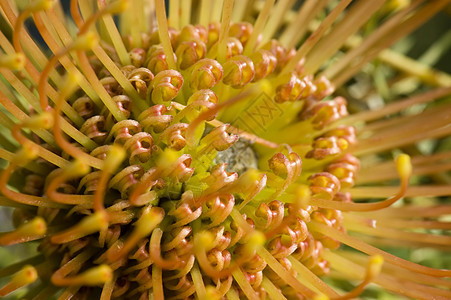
(396, 5)
(28, 153)
(41, 121)
(302, 195)
(403, 165)
(14, 61)
(77, 168)
(31, 230)
(374, 266)
(114, 158)
(211, 293)
(41, 5)
(94, 222)
(256, 239)
(97, 275)
(118, 6)
(204, 240)
(26, 275)
(149, 220)
(73, 79)
(86, 41)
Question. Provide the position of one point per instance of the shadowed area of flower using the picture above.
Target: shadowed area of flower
(207, 152)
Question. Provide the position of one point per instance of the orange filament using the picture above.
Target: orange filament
(75, 170)
(30, 231)
(404, 169)
(25, 276)
(107, 289)
(92, 277)
(202, 245)
(88, 225)
(354, 270)
(364, 247)
(27, 154)
(18, 25)
(155, 252)
(57, 132)
(140, 188)
(373, 269)
(149, 219)
(76, 13)
(157, 283)
(86, 42)
(114, 158)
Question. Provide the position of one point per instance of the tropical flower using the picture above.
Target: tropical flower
(210, 154)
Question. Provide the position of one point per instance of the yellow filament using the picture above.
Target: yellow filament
(115, 37)
(396, 106)
(205, 10)
(359, 13)
(241, 9)
(409, 24)
(174, 14)
(198, 282)
(224, 33)
(369, 41)
(382, 231)
(186, 12)
(297, 28)
(60, 28)
(311, 278)
(258, 27)
(216, 10)
(283, 273)
(315, 37)
(139, 104)
(164, 34)
(275, 19)
(72, 150)
(244, 285)
(271, 289)
(396, 271)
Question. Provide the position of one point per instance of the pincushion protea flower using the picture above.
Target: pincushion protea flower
(195, 156)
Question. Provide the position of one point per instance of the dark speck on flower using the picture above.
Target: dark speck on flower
(201, 149)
